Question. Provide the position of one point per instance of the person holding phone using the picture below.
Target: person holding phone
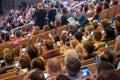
(49, 49)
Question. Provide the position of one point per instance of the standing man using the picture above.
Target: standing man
(40, 16)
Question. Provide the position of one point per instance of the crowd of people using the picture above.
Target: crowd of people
(81, 40)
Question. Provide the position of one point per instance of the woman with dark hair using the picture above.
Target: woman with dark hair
(38, 63)
(24, 62)
(97, 14)
(110, 34)
(89, 49)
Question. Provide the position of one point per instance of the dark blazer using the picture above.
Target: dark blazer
(40, 17)
(64, 20)
(51, 15)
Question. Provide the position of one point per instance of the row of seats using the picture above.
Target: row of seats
(110, 13)
(27, 40)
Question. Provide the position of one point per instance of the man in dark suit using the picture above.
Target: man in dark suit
(40, 16)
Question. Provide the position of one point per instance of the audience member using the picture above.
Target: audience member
(73, 67)
(38, 63)
(25, 63)
(103, 66)
(106, 56)
(9, 59)
(54, 68)
(89, 50)
(62, 77)
(35, 74)
(108, 75)
(32, 52)
(50, 51)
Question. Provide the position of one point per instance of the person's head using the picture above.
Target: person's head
(35, 30)
(49, 44)
(74, 43)
(95, 23)
(79, 49)
(73, 66)
(115, 2)
(40, 5)
(32, 52)
(108, 75)
(106, 56)
(78, 36)
(24, 61)
(34, 74)
(38, 63)
(12, 37)
(62, 77)
(89, 28)
(69, 54)
(18, 34)
(98, 9)
(56, 38)
(97, 35)
(110, 33)
(46, 28)
(88, 47)
(63, 37)
(103, 66)
(54, 67)
(64, 10)
(105, 23)
(52, 4)
(8, 57)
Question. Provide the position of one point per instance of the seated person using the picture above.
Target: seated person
(38, 63)
(103, 66)
(25, 63)
(32, 52)
(49, 48)
(62, 77)
(106, 56)
(88, 48)
(34, 74)
(97, 35)
(73, 67)
(18, 38)
(9, 59)
(108, 75)
(54, 68)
